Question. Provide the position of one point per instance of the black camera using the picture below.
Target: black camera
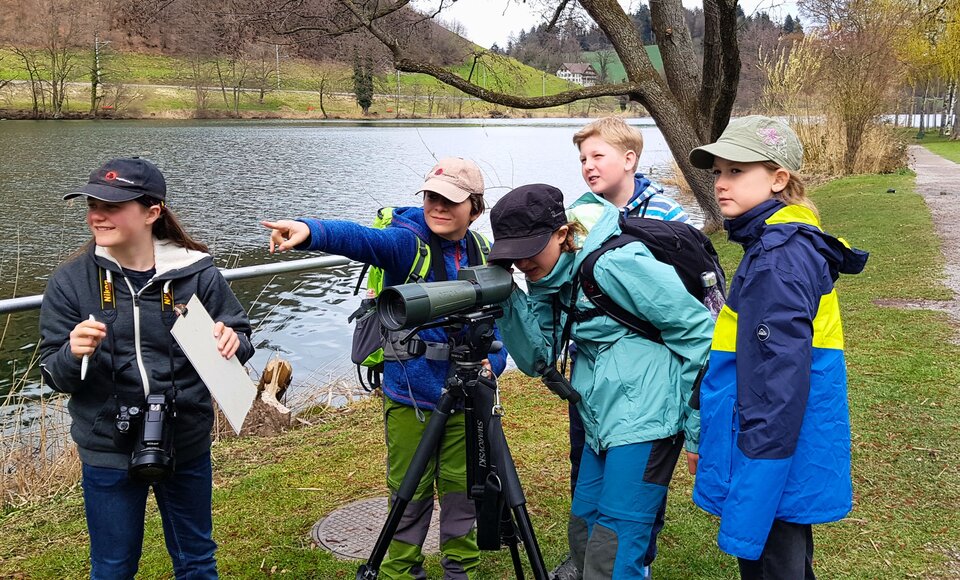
(126, 422)
(152, 459)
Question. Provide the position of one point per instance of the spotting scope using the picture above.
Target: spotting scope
(411, 305)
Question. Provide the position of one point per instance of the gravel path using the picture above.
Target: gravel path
(938, 181)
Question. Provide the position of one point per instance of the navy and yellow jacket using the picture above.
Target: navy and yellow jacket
(775, 427)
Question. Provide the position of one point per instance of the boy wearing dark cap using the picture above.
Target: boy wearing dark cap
(412, 384)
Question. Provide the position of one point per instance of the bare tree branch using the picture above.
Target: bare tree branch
(556, 15)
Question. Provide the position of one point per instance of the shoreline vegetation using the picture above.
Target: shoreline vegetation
(145, 86)
(903, 367)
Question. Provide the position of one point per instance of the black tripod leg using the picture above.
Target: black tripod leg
(508, 532)
(515, 500)
(432, 435)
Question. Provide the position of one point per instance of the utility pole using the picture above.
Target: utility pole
(543, 84)
(278, 66)
(398, 94)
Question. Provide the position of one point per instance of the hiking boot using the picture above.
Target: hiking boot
(567, 570)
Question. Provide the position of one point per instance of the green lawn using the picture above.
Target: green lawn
(942, 146)
(904, 368)
(615, 71)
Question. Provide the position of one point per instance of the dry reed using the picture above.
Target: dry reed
(799, 77)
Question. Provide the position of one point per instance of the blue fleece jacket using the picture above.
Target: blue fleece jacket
(416, 381)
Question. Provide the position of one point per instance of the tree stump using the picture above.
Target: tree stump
(267, 416)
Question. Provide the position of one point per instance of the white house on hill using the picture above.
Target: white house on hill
(581, 73)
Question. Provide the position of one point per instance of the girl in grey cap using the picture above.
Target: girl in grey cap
(775, 429)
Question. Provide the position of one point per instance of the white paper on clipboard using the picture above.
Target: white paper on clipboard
(226, 379)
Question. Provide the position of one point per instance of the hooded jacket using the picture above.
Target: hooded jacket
(775, 440)
(139, 355)
(632, 390)
(418, 381)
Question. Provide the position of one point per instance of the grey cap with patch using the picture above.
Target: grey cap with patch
(750, 139)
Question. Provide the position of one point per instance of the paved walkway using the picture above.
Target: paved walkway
(938, 181)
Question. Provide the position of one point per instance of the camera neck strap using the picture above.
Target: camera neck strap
(108, 308)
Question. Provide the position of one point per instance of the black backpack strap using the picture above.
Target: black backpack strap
(363, 274)
(604, 304)
(478, 248)
(436, 259)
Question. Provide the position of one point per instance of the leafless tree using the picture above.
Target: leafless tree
(691, 105)
(327, 80)
(605, 58)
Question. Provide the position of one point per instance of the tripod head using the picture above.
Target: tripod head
(471, 334)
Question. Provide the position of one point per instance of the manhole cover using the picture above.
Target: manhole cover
(351, 531)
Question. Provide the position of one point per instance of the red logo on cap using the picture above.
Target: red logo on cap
(439, 171)
(110, 176)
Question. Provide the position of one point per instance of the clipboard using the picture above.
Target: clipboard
(226, 379)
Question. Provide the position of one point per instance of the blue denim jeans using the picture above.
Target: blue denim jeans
(115, 507)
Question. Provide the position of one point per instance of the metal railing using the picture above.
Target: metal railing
(22, 303)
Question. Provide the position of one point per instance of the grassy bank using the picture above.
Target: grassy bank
(140, 85)
(903, 367)
(942, 146)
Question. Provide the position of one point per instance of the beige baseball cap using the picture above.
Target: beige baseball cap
(455, 179)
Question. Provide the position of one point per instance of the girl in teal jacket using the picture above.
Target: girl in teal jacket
(634, 392)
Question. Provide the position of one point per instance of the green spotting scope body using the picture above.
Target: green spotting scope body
(410, 305)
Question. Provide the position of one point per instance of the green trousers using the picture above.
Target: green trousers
(447, 469)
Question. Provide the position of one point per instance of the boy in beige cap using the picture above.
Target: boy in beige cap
(452, 200)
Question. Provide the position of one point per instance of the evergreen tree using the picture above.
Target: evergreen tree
(363, 82)
(641, 19)
(788, 26)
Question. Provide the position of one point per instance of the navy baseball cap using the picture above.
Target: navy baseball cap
(124, 179)
(523, 221)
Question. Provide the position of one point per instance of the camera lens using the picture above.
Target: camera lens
(123, 426)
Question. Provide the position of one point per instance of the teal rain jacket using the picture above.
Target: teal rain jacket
(632, 389)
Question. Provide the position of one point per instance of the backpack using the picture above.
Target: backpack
(678, 244)
(368, 333)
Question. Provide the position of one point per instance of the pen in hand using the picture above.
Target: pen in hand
(85, 361)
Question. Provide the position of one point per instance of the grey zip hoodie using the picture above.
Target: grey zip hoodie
(139, 353)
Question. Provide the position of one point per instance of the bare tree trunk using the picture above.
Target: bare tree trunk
(923, 113)
(955, 131)
(947, 106)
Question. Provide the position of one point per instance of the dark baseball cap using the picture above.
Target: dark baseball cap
(523, 221)
(124, 179)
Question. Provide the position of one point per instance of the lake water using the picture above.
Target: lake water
(224, 177)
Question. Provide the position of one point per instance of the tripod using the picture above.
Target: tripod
(493, 483)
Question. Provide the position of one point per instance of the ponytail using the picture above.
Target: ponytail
(576, 233)
(168, 227)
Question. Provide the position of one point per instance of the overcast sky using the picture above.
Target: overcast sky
(494, 21)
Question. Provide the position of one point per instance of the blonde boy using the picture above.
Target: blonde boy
(609, 152)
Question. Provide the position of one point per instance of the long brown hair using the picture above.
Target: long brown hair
(168, 227)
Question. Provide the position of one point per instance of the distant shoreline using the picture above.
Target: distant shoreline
(217, 114)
